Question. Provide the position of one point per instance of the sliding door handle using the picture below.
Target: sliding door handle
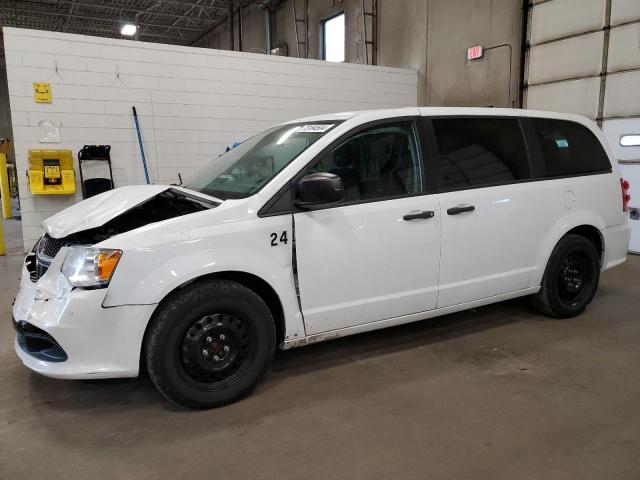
(418, 215)
(460, 209)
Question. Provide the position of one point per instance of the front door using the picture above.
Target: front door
(376, 255)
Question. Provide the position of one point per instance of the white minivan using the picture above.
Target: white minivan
(319, 228)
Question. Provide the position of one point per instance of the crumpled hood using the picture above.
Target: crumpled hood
(96, 211)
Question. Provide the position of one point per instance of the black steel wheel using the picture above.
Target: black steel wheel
(570, 279)
(574, 277)
(216, 349)
(209, 344)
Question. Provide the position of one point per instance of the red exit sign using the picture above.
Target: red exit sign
(474, 53)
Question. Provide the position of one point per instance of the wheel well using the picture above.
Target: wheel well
(253, 282)
(592, 234)
(264, 290)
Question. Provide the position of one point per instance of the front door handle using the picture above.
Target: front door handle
(418, 215)
(460, 209)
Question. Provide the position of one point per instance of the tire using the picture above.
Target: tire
(228, 320)
(570, 279)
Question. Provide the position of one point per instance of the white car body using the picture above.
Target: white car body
(359, 267)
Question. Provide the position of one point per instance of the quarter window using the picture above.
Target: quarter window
(568, 148)
(379, 162)
(480, 151)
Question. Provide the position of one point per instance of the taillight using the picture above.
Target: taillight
(626, 196)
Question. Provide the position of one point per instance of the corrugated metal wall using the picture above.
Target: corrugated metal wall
(584, 57)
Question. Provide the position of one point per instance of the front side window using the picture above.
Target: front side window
(568, 148)
(244, 170)
(480, 151)
(379, 162)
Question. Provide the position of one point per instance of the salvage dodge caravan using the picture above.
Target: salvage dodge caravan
(319, 228)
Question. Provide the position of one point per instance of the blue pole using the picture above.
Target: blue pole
(144, 160)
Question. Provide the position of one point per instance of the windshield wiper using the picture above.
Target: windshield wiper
(225, 195)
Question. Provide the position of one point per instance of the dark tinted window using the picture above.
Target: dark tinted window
(480, 151)
(568, 148)
(376, 163)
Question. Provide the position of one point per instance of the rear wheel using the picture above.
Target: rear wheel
(570, 279)
(210, 344)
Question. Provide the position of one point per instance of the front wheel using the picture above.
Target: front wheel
(570, 279)
(210, 344)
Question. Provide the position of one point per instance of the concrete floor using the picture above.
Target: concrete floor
(495, 393)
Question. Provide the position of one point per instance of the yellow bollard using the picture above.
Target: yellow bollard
(2, 250)
(4, 187)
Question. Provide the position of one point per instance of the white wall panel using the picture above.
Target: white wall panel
(614, 130)
(623, 95)
(191, 102)
(624, 47)
(623, 11)
(573, 57)
(581, 56)
(561, 18)
(575, 96)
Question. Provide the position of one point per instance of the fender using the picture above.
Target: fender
(159, 258)
(567, 222)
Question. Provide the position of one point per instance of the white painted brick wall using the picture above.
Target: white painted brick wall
(191, 102)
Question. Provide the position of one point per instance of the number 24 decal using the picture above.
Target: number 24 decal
(283, 238)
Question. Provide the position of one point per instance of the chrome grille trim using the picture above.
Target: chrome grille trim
(45, 251)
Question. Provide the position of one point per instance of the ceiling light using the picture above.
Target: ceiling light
(128, 29)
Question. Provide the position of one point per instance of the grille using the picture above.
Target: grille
(49, 247)
(46, 249)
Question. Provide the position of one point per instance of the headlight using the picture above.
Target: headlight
(90, 267)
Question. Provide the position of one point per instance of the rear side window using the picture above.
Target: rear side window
(480, 151)
(568, 148)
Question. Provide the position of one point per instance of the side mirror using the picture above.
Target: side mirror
(319, 189)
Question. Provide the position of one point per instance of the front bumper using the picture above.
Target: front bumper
(98, 342)
(38, 343)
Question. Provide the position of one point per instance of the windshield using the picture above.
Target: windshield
(244, 170)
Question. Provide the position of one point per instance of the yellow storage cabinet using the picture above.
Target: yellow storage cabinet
(51, 172)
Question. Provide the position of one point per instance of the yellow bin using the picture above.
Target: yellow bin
(51, 172)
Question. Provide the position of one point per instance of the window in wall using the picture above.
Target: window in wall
(480, 151)
(380, 162)
(333, 37)
(632, 140)
(569, 148)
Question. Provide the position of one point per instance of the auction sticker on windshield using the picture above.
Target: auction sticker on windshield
(319, 128)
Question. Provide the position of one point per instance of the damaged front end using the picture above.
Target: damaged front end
(89, 222)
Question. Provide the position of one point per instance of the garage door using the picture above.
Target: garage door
(584, 57)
